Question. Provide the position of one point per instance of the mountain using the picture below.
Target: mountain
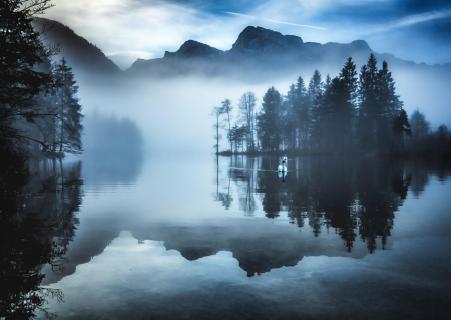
(261, 54)
(257, 50)
(258, 39)
(81, 55)
(191, 49)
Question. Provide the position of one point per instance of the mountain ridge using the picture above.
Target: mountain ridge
(255, 48)
(79, 52)
(256, 51)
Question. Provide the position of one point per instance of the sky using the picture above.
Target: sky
(125, 30)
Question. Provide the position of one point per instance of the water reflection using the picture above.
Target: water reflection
(355, 197)
(38, 202)
(197, 234)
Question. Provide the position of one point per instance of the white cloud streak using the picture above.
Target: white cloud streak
(419, 18)
(406, 21)
(256, 18)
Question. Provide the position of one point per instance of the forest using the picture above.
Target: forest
(350, 113)
(39, 111)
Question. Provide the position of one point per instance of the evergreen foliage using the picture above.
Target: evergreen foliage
(39, 110)
(351, 113)
(68, 109)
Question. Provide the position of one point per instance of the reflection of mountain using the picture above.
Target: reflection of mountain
(113, 150)
(81, 251)
(37, 223)
(258, 246)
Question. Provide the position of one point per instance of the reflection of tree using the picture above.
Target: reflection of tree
(269, 185)
(223, 187)
(242, 173)
(419, 178)
(37, 205)
(382, 188)
(355, 197)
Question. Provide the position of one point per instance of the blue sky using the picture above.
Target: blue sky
(129, 29)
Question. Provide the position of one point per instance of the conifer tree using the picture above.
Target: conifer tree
(315, 91)
(401, 128)
(368, 105)
(269, 122)
(303, 113)
(21, 53)
(346, 105)
(390, 107)
(290, 119)
(68, 110)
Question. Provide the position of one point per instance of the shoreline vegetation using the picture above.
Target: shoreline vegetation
(40, 115)
(440, 158)
(353, 114)
(40, 122)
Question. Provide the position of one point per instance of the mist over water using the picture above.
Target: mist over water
(174, 115)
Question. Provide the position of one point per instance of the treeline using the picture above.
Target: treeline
(39, 111)
(351, 113)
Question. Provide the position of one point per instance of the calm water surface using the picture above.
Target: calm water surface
(163, 237)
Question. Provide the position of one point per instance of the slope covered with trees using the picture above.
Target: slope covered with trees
(82, 55)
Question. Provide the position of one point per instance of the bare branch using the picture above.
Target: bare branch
(19, 136)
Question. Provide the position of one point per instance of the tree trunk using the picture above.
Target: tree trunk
(228, 134)
(62, 125)
(217, 133)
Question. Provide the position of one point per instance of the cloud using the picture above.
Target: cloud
(419, 18)
(275, 21)
(142, 31)
(130, 29)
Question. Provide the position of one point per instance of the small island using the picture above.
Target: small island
(349, 114)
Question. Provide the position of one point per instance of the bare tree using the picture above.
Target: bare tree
(247, 107)
(216, 112)
(226, 109)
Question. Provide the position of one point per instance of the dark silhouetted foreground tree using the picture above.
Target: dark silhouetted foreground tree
(38, 107)
(22, 56)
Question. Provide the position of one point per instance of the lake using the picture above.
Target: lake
(198, 237)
